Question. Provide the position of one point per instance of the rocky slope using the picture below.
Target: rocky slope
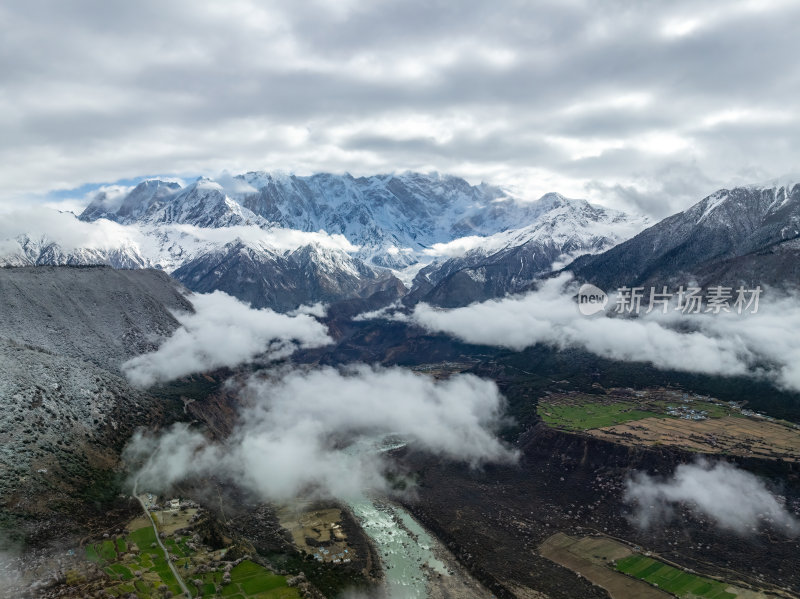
(284, 281)
(729, 224)
(507, 262)
(96, 314)
(65, 408)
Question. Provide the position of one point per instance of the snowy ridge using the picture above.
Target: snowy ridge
(393, 221)
(568, 223)
(726, 225)
(322, 235)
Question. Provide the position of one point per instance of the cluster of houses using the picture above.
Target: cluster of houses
(687, 413)
(151, 503)
(338, 558)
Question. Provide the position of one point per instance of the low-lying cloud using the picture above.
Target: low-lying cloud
(276, 239)
(155, 244)
(317, 310)
(763, 344)
(64, 229)
(305, 432)
(224, 332)
(733, 499)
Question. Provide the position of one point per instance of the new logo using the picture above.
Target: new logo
(591, 299)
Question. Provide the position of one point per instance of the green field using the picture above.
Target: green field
(590, 415)
(672, 580)
(248, 579)
(150, 559)
(584, 412)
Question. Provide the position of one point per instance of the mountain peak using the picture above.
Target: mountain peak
(726, 224)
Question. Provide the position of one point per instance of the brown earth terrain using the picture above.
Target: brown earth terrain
(728, 435)
(590, 557)
(318, 533)
(495, 519)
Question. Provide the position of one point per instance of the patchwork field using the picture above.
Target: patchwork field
(626, 574)
(135, 564)
(251, 581)
(673, 580)
(591, 415)
(591, 557)
(668, 417)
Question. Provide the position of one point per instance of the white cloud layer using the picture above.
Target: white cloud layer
(318, 310)
(761, 344)
(154, 244)
(733, 499)
(638, 104)
(224, 332)
(304, 432)
(63, 228)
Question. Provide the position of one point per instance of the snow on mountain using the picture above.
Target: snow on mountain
(727, 224)
(203, 203)
(37, 251)
(395, 219)
(571, 224)
(475, 268)
(59, 238)
(38, 237)
(359, 228)
(284, 280)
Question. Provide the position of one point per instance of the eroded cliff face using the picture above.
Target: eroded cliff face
(495, 518)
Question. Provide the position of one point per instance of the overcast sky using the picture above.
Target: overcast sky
(642, 105)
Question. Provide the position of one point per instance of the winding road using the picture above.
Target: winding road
(172, 567)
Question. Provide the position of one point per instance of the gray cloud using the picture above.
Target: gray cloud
(226, 332)
(301, 432)
(733, 499)
(545, 96)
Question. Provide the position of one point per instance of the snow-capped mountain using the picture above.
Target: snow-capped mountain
(742, 225)
(398, 220)
(203, 203)
(484, 267)
(392, 218)
(280, 240)
(39, 250)
(284, 280)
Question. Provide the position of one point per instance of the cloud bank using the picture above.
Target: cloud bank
(274, 239)
(640, 104)
(222, 332)
(309, 432)
(62, 228)
(733, 499)
(155, 244)
(762, 344)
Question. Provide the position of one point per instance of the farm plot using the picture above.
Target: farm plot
(675, 581)
(136, 565)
